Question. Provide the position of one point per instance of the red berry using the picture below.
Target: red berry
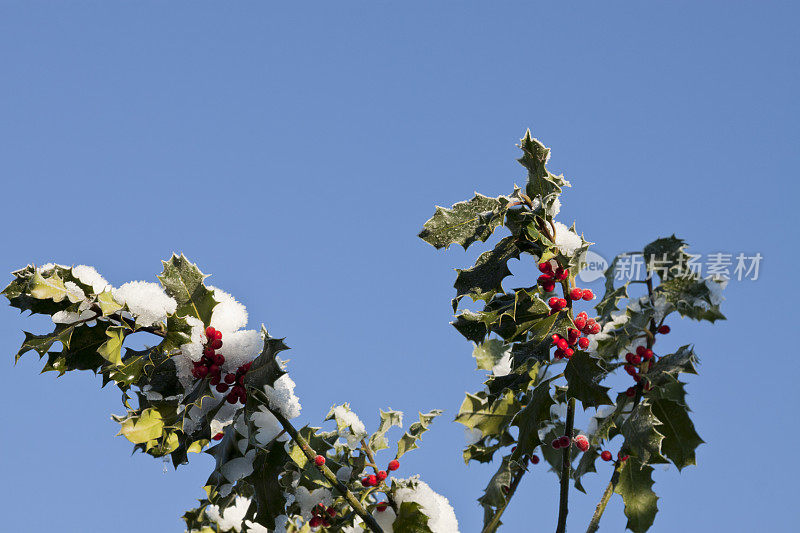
(595, 329)
(621, 457)
(588, 295)
(556, 443)
(583, 343)
(636, 359)
(648, 354)
(382, 507)
(562, 303)
(382, 475)
(214, 379)
(545, 267)
(631, 392)
(581, 442)
(562, 344)
(230, 378)
(630, 369)
(210, 332)
(568, 352)
(315, 521)
(555, 338)
(365, 482)
(372, 480)
(217, 335)
(606, 455)
(213, 369)
(216, 344)
(664, 330)
(319, 460)
(218, 436)
(558, 354)
(640, 351)
(548, 287)
(575, 293)
(231, 398)
(394, 464)
(580, 322)
(629, 357)
(562, 274)
(219, 359)
(544, 278)
(326, 522)
(535, 459)
(208, 351)
(583, 315)
(202, 372)
(553, 302)
(222, 387)
(564, 441)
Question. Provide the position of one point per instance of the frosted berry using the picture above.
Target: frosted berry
(372, 479)
(218, 436)
(595, 329)
(580, 322)
(394, 464)
(581, 442)
(575, 293)
(564, 441)
(587, 294)
(664, 330)
(535, 459)
(552, 302)
(382, 475)
(319, 460)
(583, 343)
(606, 455)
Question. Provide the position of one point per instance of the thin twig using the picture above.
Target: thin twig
(594, 524)
(566, 463)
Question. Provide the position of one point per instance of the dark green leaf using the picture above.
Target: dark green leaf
(635, 485)
(680, 437)
(583, 376)
(464, 223)
(183, 281)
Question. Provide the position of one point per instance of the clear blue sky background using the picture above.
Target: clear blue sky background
(294, 151)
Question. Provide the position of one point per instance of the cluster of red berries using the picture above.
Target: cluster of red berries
(210, 366)
(586, 326)
(321, 515)
(534, 458)
(376, 479)
(549, 276)
(640, 362)
(606, 456)
(581, 442)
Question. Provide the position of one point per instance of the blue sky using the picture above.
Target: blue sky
(293, 151)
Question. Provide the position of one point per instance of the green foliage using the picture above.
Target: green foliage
(465, 222)
(183, 281)
(409, 439)
(654, 423)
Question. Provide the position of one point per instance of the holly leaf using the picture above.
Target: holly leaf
(484, 280)
(388, 419)
(667, 368)
(111, 350)
(183, 281)
(609, 305)
(107, 304)
(680, 437)
(265, 368)
(411, 518)
(142, 428)
(585, 465)
(490, 417)
(641, 435)
(531, 417)
(635, 485)
(471, 325)
(81, 353)
(42, 343)
(268, 494)
(489, 353)
(409, 439)
(52, 288)
(465, 222)
(541, 183)
(583, 376)
(495, 494)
